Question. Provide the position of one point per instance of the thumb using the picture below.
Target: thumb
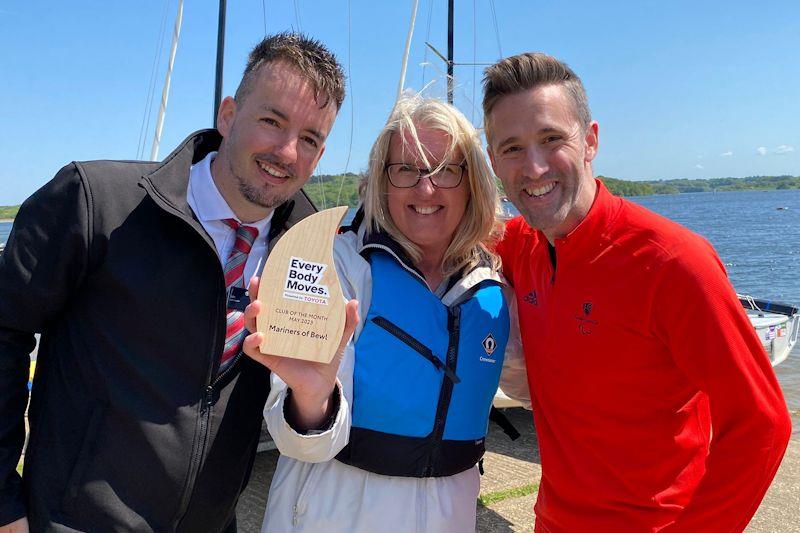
(252, 287)
(254, 307)
(351, 320)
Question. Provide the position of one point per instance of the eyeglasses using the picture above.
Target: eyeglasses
(405, 176)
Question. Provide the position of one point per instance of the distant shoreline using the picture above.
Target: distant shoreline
(6, 220)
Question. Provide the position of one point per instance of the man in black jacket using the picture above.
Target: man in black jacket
(121, 266)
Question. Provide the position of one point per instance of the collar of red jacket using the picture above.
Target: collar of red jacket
(594, 232)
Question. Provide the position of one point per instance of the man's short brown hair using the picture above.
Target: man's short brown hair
(529, 71)
(308, 56)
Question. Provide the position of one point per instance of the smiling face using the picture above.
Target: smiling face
(272, 141)
(428, 216)
(542, 153)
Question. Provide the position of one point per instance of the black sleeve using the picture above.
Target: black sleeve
(44, 262)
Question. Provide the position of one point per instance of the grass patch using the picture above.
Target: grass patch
(19, 468)
(500, 495)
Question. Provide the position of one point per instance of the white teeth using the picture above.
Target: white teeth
(426, 210)
(271, 171)
(540, 191)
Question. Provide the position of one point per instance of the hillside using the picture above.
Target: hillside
(675, 186)
(329, 190)
(9, 211)
(328, 186)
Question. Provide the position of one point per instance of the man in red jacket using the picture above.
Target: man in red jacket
(655, 405)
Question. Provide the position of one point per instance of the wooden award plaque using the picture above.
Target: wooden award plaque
(303, 311)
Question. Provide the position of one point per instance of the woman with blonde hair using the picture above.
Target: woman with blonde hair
(409, 407)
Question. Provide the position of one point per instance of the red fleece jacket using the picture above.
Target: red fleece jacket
(654, 402)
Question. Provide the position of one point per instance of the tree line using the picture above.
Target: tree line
(676, 186)
(9, 211)
(329, 190)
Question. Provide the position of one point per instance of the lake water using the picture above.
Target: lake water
(758, 242)
(757, 236)
(5, 229)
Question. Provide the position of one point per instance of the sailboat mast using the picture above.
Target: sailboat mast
(165, 93)
(220, 58)
(450, 51)
(402, 83)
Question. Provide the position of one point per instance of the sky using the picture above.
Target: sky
(681, 89)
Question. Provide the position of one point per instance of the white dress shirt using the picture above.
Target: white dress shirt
(211, 209)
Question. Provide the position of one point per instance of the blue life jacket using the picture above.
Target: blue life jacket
(425, 374)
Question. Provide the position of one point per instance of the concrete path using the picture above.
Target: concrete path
(513, 471)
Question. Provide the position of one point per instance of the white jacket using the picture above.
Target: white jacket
(312, 492)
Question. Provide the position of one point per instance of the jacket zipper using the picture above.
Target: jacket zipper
(208, 396)
(208, 403)
(299, 506)
(446, 393)
(199, 450)
(417, 346)
(230, 367)
(552, 257)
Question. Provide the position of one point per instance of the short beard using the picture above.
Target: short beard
(259, 197)
(252, 194)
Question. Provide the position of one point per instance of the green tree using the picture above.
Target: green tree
(9, 211)
(332, 190)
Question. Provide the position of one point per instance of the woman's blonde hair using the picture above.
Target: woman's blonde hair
(480, 228)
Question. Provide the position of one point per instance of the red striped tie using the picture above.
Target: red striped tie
(234, 277)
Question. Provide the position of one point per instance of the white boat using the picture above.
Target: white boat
(777, 325)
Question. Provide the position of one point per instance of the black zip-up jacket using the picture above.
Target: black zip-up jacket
(130, 429)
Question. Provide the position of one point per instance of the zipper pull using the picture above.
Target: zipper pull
(456, 317)
(209, 396)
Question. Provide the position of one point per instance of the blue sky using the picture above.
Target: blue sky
(680, 88)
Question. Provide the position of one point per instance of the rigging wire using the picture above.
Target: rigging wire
(320, 184)
(474, 54)
(496, 28)
(427, 39)
(321, 187)
(297, 17)
(148, 106)
(352, 101)
(264, 13)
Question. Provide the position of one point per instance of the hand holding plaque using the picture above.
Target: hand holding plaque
(303, 315)
(311, 382)
(303, 294)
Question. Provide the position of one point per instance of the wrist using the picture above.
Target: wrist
(311, 400)
(311, 412)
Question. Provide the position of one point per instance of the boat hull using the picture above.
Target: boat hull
(778, 333)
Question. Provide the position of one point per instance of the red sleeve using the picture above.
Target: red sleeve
(712, 341)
